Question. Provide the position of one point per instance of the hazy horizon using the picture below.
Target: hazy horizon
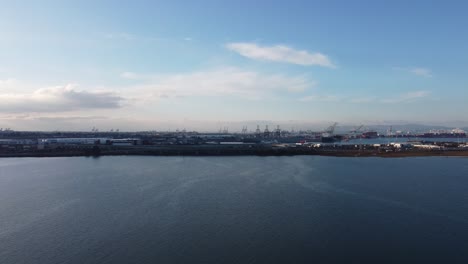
(77, 125)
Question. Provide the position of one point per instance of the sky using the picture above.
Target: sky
(201, 65)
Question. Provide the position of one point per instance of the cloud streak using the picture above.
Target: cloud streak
(408, 97)
(131, 76)
(421, 72)
(120, 36)
(402, 98)
(9, 83)
(418, 71)
(280, 53)
(320, 98)
(228, 81)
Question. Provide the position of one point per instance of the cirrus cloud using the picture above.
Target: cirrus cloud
(280, 53)
(418, 71)
(421, 72)
(320, 98)
(408, 97)
(227, 81)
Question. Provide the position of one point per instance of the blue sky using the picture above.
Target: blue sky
(172, 64)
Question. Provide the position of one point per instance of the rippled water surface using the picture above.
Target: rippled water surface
(300, 209)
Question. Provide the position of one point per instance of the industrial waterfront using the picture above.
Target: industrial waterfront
(259, 142)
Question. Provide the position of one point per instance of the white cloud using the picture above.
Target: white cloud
(320, 98)
(362, 100)
(8, 83)
(121, 35)
(14, 85)
(130, 75)
(408, 97)
(421, 72)
(418, 71)
(402, 98)
(57, 99)
(228, 81)
(415, 95)
(280, 53)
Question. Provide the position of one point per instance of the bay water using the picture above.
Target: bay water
(301, 209)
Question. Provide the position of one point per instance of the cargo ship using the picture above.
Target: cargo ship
(329, 138)
(370, 134)
(455, 133)
(298, 139)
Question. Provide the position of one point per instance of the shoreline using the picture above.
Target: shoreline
(235, 152)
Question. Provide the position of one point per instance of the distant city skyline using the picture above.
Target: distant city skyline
(145, 65)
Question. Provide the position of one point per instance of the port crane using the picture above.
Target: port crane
(356, 129)
(257, 131)
(331, 129)
(328, 134)
(278, 131)
(353, 133)
(266, 132)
